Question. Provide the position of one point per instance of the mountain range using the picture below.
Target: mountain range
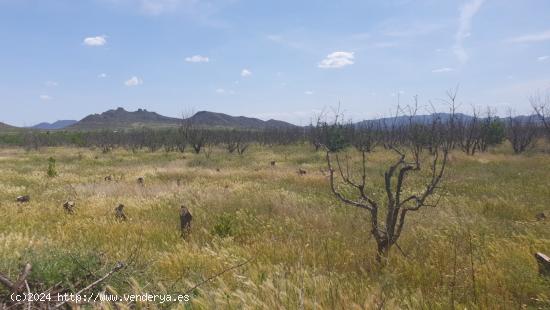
(121, 119)
(55, 125)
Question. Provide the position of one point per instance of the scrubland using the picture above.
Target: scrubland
(304, 248)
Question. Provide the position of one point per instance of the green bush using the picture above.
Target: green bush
(225, 225)
(52, 172)
(64, 268)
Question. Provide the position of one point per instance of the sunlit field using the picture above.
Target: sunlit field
(300, 246)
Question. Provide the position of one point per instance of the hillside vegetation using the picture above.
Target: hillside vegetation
(305, 249)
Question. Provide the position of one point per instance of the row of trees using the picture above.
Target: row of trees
(412, 180)
(472, 133)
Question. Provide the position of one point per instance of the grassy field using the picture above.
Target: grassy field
(306, 250)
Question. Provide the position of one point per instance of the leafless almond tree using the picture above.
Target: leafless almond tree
(521, 132)
(541, 105)
(387, 216)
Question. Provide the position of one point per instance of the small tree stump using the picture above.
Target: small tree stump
(25, 198)
(541, 216)
(68, 206)
(544, 264)
(185, 221)
(119, 213)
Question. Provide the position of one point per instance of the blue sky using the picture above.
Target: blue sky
(65, 59)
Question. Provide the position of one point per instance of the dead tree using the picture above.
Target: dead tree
(185, 221)
(521, 132)
(25, 198)
(69, 206)
(541, 105)
(469, 132)
(119, 213)
(386, 228)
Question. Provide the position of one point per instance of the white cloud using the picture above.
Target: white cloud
(308, 92)
(102, 75)
(95, 41)
(51, 83)
(337, 60)
(534, 37)
(246, 73)
(197, 58)
(467, 13)
(442, 70)
(225, 91)
(543, 58)
(133, 81)
(45, 97)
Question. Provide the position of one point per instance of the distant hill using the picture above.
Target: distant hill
(444, 117)
(417, 119)
(6, 127)
(122, 119)
(55, 125)
(212, 119)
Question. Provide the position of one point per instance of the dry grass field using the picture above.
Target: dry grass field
(306, 249)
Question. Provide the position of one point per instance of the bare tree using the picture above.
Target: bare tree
(385, 228)
(541, 105)
(521, 132)
(469, 132)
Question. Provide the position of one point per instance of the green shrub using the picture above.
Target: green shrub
(225, 225)
(64, 268)
(52, 172)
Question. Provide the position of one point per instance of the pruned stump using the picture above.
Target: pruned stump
(541, 216)
(119, 213)
(68, 206)
(544, 264)
(25, 198)
(185, 221)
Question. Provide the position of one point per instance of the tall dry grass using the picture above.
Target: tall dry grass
(307, 250)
